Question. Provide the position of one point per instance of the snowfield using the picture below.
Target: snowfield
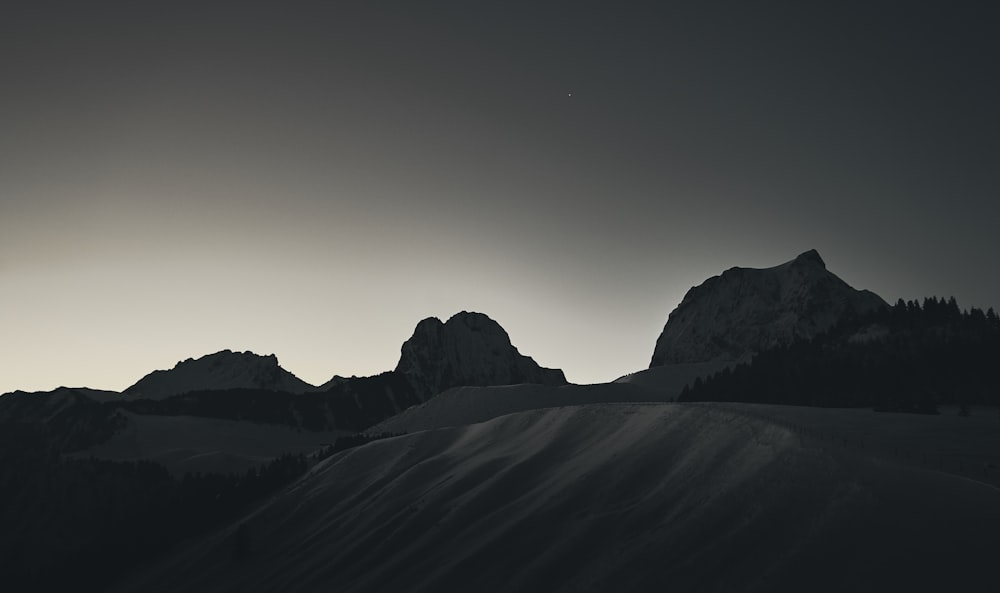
(668, 381)
(615, 497)
(467, 405)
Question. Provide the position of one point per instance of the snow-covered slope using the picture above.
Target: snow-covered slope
(747, 310)
(222, 370)
(468, 349)
(607, 497)
(665, 383)
(468, 405)
(193, 444)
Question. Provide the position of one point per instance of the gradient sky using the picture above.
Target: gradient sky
(312, 179)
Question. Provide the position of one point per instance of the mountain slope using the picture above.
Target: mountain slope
(461, 406)
(665, 383)
(600, 498)
(223, 370)
(746, 310)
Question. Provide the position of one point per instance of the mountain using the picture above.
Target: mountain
(222, 370)
(747, 310)
(469, 349)
(908, 358)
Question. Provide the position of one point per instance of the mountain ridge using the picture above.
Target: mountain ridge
(743, 311)
(469, 349)
(224, 369)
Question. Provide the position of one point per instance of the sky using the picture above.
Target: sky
(312, 179)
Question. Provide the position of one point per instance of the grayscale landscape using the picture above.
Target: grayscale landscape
(535, 297)
(499, 475)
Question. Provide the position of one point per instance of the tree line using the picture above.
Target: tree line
(79, 524)
(910, 357)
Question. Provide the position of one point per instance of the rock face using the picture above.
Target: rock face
(470, 349)
(222, 370)
(748, 310)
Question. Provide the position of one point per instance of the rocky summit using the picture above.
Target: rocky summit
(747, 310)
(223, 370)
(468, 349)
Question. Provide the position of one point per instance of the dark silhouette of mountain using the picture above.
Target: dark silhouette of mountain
(469, 349)
(222, 370)
(743, 311)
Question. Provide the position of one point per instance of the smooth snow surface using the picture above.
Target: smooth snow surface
(195, 444)
(467, 405)
(668, 381)
(608, 497)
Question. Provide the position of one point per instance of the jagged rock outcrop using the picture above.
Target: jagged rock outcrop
(747, 310)
(222, 370)
(469, 349)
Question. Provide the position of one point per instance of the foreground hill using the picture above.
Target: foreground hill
(469, 405)
(607, 497)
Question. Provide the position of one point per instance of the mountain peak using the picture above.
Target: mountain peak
(228, 356)
(811, 258)
(748, 310)
(468, 349)
(224, 369)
